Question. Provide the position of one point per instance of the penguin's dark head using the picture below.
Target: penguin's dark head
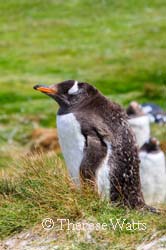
(134, 109)
(68, 93)
(153, 145)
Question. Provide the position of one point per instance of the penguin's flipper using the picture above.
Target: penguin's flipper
(93, 155)
(94, 152)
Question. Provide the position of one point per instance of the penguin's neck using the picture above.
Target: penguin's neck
(63, 110)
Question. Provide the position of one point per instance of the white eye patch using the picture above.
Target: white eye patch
(74, 89)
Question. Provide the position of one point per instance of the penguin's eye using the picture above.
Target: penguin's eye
(74, 89)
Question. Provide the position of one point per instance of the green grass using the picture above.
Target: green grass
(38, 187)
(118, 46)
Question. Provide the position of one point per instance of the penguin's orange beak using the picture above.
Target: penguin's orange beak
(46, 89)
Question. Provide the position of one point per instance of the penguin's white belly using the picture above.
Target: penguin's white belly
(72, 143)
(141, 128)
(153, 176)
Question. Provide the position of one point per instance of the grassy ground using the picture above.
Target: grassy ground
(119, 47)
(39, 187)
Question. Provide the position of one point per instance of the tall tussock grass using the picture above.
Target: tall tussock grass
(41, 183)
(37, 186)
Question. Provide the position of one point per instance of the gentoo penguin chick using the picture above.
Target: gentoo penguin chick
(97, 141)
(153, 172)
(139, 123)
